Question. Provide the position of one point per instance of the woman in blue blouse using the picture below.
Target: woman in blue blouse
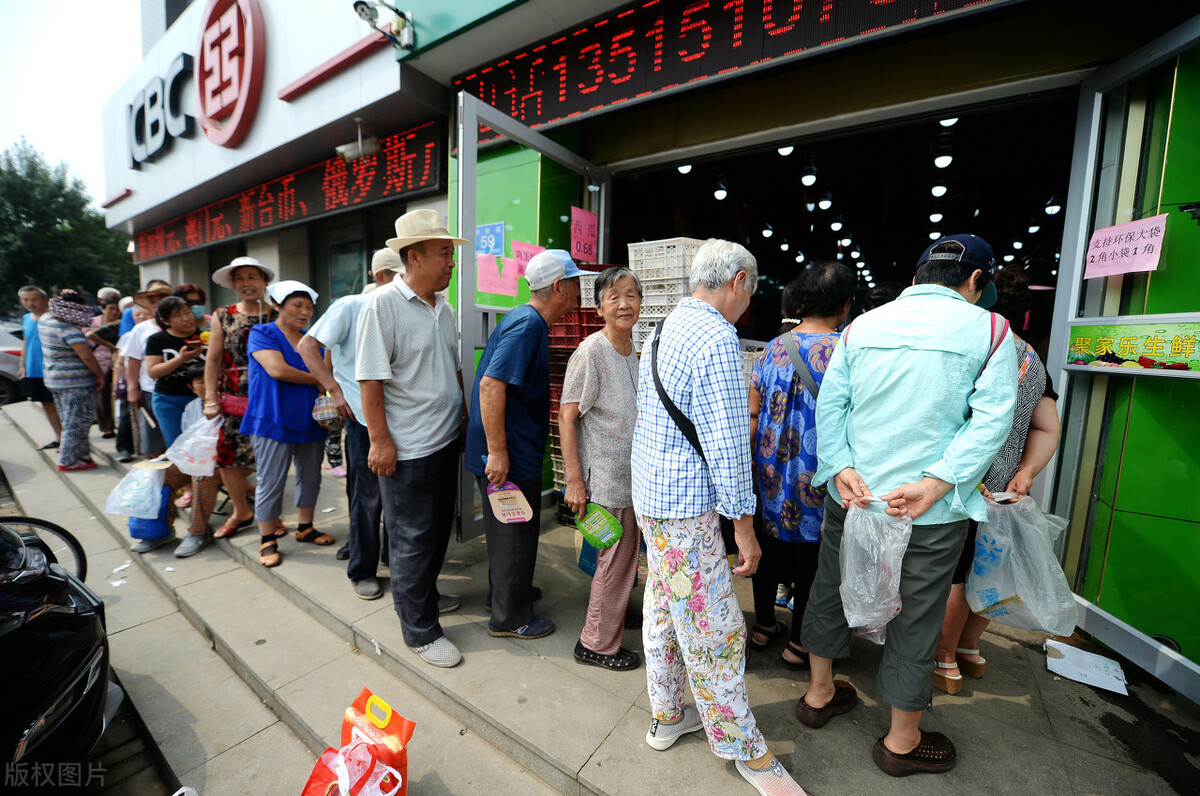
(783, 430)
(279, 419)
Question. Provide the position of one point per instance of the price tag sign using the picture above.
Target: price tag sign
(489, 239)
(585, 234)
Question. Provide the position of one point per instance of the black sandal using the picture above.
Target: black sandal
(772, 634)
(623, 660)
(795, 666)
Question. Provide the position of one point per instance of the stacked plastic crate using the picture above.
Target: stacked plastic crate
(662, 266)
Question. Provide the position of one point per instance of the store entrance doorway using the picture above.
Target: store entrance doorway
(874, 197)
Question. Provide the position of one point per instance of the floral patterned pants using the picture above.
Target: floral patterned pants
(693, 627)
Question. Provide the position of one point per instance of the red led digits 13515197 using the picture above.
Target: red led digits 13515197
(658, 45)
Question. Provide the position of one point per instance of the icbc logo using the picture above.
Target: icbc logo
(229, 66)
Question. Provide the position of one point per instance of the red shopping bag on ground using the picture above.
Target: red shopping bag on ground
(373, 760)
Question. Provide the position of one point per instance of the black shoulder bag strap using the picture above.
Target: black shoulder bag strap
(686, 426)
(802, 370)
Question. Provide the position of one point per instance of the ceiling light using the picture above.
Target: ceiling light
(948, 122)
(810, 206)
(826, 202)
(934, 218)
(1017, 244)
(836, 224)
(839, 256)
(1054, 273)
(786, 150)
(845, 241)
(767, 231)
(808, 175)
(720, 193)
(935, 235)
(871, 283)
(1008, 258)
(783, 246)
(938, 190)
(942, 161)
(799, 257)
(854, 255)
(1033, 228)
(1053, 207)
(685, 168)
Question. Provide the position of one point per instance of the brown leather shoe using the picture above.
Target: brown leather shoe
(934, 755)
(844, 698)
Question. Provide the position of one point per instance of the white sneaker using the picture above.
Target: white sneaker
(662, 736)
(771, 781)
(440, 652)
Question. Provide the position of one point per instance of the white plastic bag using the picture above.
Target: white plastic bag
(873, 545)
(194, 451)
(139, 494)
(1016, 579)
(357, 766)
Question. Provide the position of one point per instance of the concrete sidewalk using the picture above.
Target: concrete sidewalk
(303, 644)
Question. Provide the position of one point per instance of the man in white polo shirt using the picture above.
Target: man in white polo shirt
(410, 377)
(337, 330)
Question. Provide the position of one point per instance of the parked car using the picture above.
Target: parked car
(10, 362)
(54, 657)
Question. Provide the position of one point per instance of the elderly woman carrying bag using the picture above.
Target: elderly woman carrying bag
(598, 410)
(279, 419)
(225, 378)
(72, 375)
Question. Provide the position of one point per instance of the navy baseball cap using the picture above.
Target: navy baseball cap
(973, 252)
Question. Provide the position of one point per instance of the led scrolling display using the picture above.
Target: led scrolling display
(658, 45)
(408, 164)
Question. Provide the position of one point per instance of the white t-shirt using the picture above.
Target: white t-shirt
(135, 348)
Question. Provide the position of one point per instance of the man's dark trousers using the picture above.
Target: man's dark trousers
(418, 510)
(366, 506)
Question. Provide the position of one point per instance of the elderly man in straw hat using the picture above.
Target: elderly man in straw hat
(410, 377)
(337, 331)
(506, 438)
(141, 386)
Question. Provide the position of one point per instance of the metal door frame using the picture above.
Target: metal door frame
(476, 322)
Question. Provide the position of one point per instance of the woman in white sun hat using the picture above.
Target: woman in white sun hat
(226, 377)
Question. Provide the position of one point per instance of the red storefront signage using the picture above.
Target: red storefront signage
(229, 65)
(408, 164)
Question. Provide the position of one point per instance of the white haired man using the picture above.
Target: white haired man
(691, 466)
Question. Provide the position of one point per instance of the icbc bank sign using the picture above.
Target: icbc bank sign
(227, 72)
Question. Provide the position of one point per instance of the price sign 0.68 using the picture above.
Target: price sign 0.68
(584, 235)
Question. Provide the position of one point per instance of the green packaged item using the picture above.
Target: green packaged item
(598, 527)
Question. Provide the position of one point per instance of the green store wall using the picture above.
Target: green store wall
(1144, 561)
(532, 195)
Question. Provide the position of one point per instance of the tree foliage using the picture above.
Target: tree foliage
(49, 234)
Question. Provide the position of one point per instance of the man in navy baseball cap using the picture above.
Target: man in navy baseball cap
(971, 251)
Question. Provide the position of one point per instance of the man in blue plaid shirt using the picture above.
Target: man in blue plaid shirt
(693, 626)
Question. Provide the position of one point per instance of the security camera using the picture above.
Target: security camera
(360, 148)
(398, 30)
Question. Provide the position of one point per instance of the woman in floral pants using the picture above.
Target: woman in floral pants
(691, 617)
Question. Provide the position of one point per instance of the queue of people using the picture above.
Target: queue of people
(689, 461)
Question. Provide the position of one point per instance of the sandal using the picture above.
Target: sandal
(795, 666)
(622, 660)
(229, 529)
(951, 684)
(772, 634)
(306, 535)
(933, 755)
(973, 668)
(183, 501)
(268, 553)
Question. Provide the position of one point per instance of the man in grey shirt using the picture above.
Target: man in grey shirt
(410, 377)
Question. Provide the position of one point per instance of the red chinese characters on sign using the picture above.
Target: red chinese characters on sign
(409, 165)
(585, 229)
(230, 62)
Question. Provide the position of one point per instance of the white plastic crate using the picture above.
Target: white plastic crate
(663, 259)
(587, 289)
(653, 313)
(664, 291)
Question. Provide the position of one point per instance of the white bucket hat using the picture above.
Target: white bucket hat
(420, 225)
(224, 276)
